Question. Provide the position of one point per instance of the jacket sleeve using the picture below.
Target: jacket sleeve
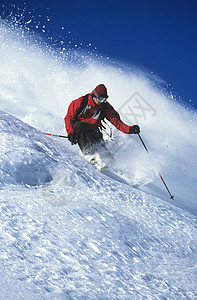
(114, 117)
(72, 114)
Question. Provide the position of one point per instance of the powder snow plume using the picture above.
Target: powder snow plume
(38, 83)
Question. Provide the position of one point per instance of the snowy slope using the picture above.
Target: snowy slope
(67, 231)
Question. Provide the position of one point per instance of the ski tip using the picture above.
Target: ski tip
(103, 169)
(136, 186)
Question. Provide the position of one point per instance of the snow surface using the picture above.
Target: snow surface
(66, 230)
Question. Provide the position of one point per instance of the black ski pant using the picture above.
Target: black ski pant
(87, 137)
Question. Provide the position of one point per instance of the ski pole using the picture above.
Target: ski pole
(62, 136)
(171, 197)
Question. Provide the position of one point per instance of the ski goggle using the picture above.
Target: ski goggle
(100, 98)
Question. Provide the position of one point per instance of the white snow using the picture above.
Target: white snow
(66, 230)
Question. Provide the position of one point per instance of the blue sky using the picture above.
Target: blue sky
(159, 36)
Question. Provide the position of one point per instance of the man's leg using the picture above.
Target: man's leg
(100, 145)
(97, 136)
(83, 133)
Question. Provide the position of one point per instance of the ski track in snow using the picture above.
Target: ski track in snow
(67, 231)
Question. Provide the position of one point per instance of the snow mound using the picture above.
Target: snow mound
(26, 157)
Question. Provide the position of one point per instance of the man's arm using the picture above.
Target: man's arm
(114, 117)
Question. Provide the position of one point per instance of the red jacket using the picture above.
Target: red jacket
(90, 115)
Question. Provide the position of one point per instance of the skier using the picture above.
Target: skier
(84, 116)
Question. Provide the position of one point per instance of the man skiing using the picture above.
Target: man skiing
(84, 116)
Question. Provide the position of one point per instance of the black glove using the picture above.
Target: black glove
(134, 129)
(72, 138)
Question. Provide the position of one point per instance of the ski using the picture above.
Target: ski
(107, 172)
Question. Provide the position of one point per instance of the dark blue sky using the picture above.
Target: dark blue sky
(158, 35)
